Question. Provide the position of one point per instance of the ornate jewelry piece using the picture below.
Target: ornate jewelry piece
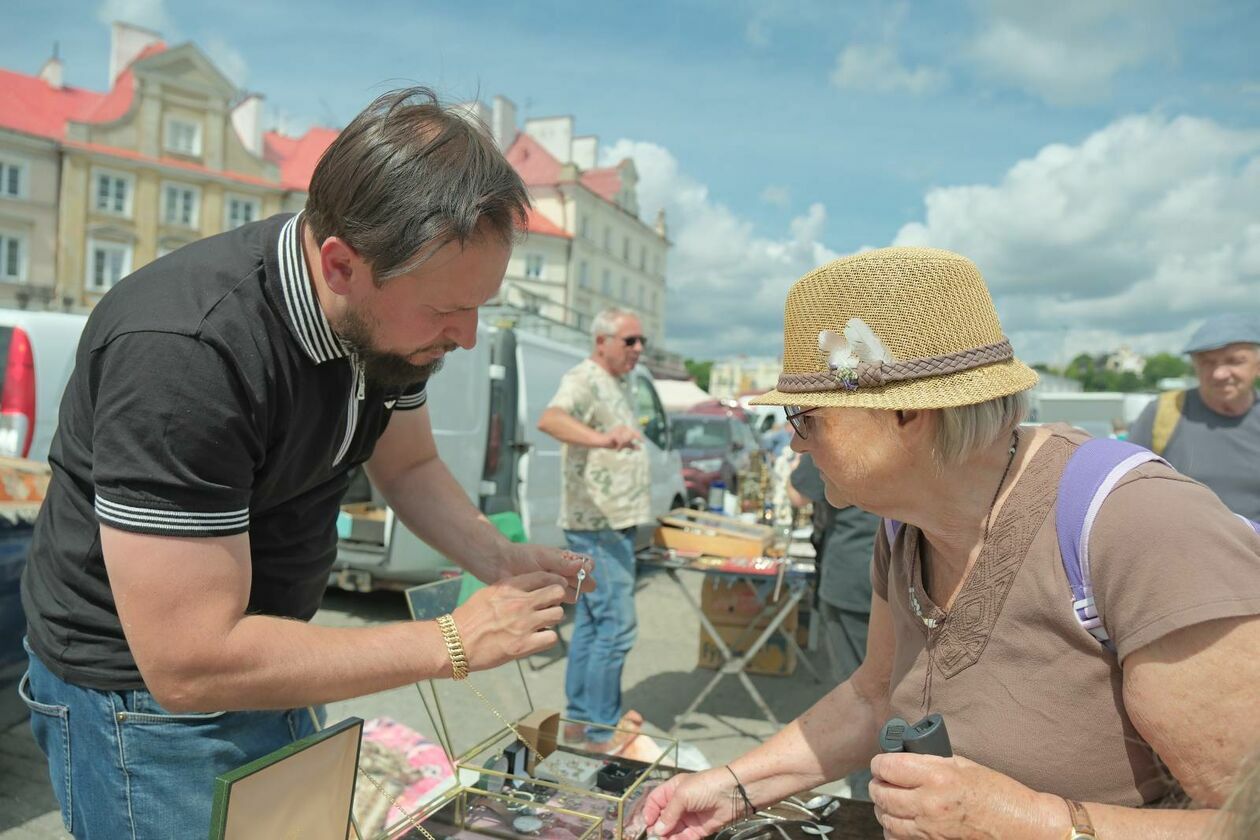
(454, 646)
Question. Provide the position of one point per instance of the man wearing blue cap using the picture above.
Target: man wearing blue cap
(1212, 433)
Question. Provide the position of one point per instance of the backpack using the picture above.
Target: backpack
(1091, 474)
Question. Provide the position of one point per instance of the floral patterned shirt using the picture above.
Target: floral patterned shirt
(603, 488)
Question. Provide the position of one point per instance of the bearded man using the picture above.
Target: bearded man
(220, 398)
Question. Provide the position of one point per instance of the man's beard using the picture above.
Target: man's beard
(389, 369)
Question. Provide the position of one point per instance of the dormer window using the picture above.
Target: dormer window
(183, 136)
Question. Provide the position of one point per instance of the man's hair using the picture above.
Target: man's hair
(409, 175)
(606, 321)
(965, 430)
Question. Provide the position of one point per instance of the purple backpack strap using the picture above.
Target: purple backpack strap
(892, 528)
(1092, 472)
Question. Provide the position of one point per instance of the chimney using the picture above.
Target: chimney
(503, 122)
(661, 227)
(126, 42)
(555, 134)
(586, 151)
(53, 72)
(247, 119)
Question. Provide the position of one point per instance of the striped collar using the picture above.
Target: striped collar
(306, 320)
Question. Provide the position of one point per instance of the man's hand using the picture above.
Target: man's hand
(523, 558)
(927, 797)
(622, 437)
(510, 619)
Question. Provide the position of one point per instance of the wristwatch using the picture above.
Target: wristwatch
(1082, 826)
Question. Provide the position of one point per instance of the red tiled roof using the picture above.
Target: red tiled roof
(297, 156)
(605, 183)
(536, 222)
(535, 165)
(32, 106)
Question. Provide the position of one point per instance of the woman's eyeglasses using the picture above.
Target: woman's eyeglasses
(799, 418)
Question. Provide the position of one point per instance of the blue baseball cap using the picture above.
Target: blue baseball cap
(1224, 330)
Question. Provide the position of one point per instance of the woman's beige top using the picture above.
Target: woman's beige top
(1023, 688)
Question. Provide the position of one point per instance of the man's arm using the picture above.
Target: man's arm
(182, 603)
(1142, 430)
(406, 468)
(566, 428)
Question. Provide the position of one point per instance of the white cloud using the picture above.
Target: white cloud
(876, 67)
(151, 14)
(777, 195)
(1070, 53)
(228, 59)
(1134, 235)
(742, 278)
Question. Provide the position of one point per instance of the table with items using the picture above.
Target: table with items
(777, 584)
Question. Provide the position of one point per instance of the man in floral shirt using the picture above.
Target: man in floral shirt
(606, 495)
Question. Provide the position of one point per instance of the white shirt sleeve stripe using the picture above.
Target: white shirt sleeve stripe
(174, 515)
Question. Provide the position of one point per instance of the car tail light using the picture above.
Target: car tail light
(17, 401)
(494, 447)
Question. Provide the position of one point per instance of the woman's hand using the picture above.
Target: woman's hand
(691, 806)
(926, 797)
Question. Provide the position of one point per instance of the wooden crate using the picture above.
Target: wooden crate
(712, 534)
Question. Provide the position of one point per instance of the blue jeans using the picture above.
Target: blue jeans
(604, 629)
(123, 768)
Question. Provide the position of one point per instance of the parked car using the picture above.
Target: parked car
(23, 484)
(485, 405)
(36, 359)
(713, 447)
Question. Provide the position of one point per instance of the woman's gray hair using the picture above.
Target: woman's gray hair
(967, 429)
(606, 321)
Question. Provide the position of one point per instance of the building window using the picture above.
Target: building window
(533, 266)
(640, 296)
(584, 275)
(12, 257)
(180, 205)
(12, 178)
(113, 193)
(584, 226)
(605, 283)
(241, 211)
(642, 256)
(625, 249)
(607, 238)
(108, 262)
(183, 136)
(625, 290)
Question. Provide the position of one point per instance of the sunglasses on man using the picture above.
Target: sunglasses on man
(632, 340)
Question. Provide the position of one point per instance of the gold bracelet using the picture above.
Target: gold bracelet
(454, 646)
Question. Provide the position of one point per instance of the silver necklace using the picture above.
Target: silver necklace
(917, 607)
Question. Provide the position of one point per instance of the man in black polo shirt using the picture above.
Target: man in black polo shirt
(219, 399)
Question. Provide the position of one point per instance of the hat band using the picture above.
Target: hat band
(876, 374)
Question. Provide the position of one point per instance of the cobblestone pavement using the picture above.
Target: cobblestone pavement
(660, 679)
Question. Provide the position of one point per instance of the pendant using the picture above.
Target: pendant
(930, 623)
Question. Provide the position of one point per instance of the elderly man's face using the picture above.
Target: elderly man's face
(1227, 376)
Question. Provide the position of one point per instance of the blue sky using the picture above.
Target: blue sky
(1100, 162)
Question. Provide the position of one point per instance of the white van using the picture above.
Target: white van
(485, 404)
(36, 360)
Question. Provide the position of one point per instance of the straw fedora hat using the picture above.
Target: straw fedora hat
(895, 328)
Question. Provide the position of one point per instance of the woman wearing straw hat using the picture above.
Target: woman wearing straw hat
(903, 388)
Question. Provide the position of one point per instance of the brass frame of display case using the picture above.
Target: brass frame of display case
(430, 600)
